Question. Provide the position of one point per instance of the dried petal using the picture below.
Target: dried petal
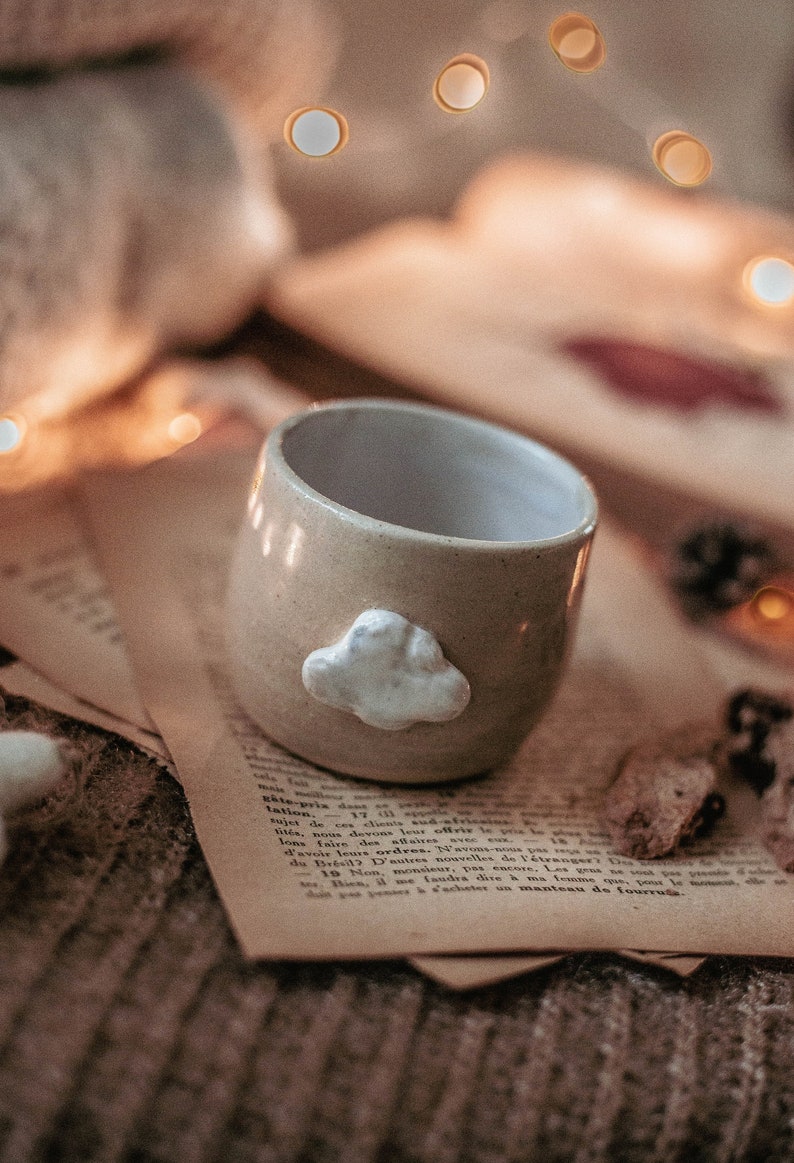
(665, 793)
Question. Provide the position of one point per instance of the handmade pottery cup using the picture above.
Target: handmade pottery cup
(405, 588)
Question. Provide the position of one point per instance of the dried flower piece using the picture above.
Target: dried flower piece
(665, 793)
(777, 823)
(777, 802)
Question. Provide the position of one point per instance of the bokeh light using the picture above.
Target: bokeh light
(770, 280)
(772, 604)
(461, 84)
(316, 131)
(185, 428)
(682, 159)
(577, 43)
(12, 433)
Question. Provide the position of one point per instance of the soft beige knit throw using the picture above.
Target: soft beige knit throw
(136, 209)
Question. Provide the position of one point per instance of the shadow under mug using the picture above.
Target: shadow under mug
(405, 588)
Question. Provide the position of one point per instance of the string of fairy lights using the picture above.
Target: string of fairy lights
(462, 84)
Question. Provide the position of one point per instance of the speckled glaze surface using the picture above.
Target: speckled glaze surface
(470, 532)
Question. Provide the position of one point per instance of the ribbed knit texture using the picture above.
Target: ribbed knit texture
(131, 1028)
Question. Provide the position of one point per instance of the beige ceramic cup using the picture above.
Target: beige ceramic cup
(405, 588)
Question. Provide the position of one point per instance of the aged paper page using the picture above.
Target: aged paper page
(314, 865)
(62, 592)
(475, 972)
(55, 612)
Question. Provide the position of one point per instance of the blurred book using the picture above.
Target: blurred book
(627, 324)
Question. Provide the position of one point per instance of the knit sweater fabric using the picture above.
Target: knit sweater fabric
(136, 205)
(132, 1030)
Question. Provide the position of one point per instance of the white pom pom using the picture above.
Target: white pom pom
(30, 766)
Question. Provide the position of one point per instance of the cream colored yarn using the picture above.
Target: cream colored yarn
(136, 210)
(257, 52)
(31, 764)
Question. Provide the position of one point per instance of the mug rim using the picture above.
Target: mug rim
(274, 448)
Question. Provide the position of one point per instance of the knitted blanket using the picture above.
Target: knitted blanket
(136, 205)
(132, 1029)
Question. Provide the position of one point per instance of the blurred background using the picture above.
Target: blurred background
(722, 70)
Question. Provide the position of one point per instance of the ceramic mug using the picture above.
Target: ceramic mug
(405, 588)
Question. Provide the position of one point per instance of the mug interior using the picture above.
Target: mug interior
(437, 472)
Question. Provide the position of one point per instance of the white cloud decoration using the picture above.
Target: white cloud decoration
(388, 672)
(31, 765)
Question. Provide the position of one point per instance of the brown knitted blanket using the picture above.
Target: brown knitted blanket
(132, 1029)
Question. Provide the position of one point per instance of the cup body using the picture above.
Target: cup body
(471, 533)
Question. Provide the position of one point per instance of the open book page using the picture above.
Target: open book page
(55, 612)
(475, 972)
(681, 964)
(312, 865)
(56, 594)
(478, 312)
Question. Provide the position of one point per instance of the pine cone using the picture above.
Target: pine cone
(752, 718)
(720, 565)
